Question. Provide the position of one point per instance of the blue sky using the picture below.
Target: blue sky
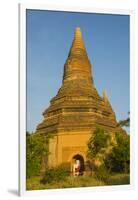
(49, 37)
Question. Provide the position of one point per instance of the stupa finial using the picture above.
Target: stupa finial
(77, 41)
(78, 33)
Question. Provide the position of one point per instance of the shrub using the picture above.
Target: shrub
(55, 174)
(101, 173)
(66, 167)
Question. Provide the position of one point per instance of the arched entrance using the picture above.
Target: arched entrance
(78, 159)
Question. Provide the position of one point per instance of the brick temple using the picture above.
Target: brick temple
(76, 110)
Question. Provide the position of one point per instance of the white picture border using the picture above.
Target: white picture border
(22, 97)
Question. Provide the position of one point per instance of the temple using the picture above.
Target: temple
(76, 110)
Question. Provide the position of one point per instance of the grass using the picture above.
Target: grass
(119, 179)
(71, 182)
(82, 181)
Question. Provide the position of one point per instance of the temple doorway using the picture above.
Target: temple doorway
(78, 167)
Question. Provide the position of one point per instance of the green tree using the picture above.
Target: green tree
(97, 142)
(36, 149)
(97, 146)
(119, 159)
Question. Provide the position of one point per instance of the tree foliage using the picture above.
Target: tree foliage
(36, 149)
(119, 159)
(97, 142)
(115, 160)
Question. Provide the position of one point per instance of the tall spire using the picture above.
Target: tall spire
(77, 65)
(78, 43)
